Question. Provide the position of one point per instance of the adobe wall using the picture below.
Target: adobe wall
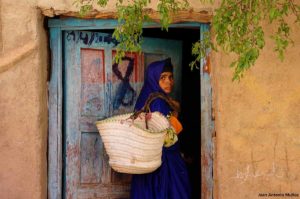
(258, 124)
(23, 101)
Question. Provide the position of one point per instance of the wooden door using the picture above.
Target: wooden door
(95, 88)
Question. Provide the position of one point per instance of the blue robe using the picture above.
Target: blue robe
(170, 180)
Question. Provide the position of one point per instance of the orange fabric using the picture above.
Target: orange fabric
(176, 124)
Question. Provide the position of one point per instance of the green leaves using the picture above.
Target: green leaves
(278, 12)
(281, 38)
(238, 29)
(237, 25)
(102, 3)
(166, 7)
(87, 5)
(200, 50)
(273, 14)
(131, 18)
(130, 28)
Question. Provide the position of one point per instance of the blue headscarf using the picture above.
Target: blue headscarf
(151, 85)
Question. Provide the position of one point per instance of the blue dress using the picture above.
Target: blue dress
(170, 180)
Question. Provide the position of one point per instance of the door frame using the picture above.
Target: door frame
(55, 88)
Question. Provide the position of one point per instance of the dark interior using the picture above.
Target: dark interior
(190, 106)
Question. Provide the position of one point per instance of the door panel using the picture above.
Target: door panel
(126, 79)
(92, 102)
(95, 88)
(90, 157)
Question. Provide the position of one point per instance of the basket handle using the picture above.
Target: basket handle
(151, 98)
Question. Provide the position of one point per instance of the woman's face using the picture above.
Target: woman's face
(166, 82)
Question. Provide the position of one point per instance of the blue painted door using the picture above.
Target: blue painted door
(95, 88)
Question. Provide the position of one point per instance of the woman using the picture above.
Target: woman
(170, 180)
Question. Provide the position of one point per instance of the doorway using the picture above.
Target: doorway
(189, 138)
(94, 88)
(190, 100)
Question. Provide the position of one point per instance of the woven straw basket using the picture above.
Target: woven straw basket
(132, 148)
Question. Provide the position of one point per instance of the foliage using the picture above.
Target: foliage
(200, 49)
(130, 29)
(165, 7)
(237, 26)
(131, 17)
(87, 5)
